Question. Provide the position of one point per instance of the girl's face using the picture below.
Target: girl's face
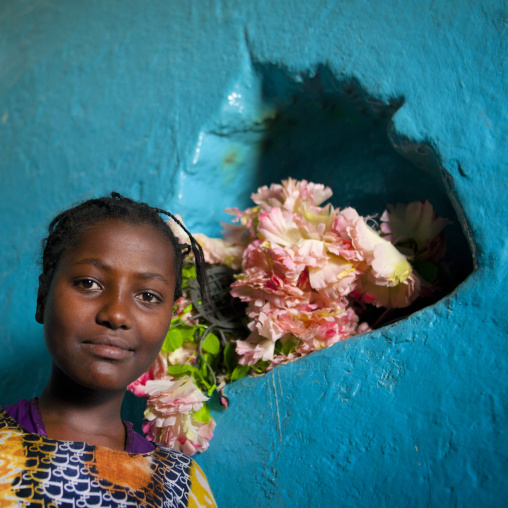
(109, 304)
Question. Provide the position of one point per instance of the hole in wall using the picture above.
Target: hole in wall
(333, 133)
(276, 124)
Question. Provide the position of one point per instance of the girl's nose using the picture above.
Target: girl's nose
(114, 312)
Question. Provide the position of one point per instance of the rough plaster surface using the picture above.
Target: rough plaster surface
(140, 97)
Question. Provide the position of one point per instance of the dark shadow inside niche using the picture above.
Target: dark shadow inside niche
(330, 132)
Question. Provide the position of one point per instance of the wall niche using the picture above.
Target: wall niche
(277, 124)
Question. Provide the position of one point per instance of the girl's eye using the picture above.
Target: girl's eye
(148, 298)
(87, 284)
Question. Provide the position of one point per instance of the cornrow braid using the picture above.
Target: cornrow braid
(66, 228)
(199, 257)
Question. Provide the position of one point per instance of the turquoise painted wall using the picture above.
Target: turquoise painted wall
(190, 105)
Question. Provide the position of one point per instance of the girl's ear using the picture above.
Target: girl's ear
(39, 311)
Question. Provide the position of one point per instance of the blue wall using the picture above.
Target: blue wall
(140, 97)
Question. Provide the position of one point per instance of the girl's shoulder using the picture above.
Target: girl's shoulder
(27, 414)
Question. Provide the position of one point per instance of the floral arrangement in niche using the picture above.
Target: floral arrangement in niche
(289, 276)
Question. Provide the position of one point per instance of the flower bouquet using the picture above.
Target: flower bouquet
(288, 277)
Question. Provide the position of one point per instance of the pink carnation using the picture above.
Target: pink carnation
(184, 354)
(321, 327)
(333, 280)
(254, 348)
(218, 251)
(314, 325)
(419, 222)
(388, 267)
(158, 370)
(137, 387)
(170, 413)
(401, 295)
(244, 232)
(292, 195)
(274, 275)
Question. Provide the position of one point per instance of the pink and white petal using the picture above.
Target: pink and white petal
(335, 269)
(184, 354)
(311, 250)
(344, 219)
(218, 251)
(278, 227)
(269, 197)
(399, 296)
(254, 348)
(389, 266)
(417, 221)
(306, 192)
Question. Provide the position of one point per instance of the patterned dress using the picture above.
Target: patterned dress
(36, 471)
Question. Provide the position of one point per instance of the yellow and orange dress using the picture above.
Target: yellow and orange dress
(38, 471)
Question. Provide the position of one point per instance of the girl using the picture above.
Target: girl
(111, 269)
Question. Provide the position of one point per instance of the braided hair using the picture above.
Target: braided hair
(67, 227)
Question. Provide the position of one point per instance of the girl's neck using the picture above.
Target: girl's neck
(74, 413)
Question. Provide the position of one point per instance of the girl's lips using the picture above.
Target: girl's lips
(111, 348)
(108, 352)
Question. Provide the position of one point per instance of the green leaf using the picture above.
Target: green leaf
(203, 378)
(287, 346)
(197, 376)
(180, 370)
(173, 341)
(189, 272)
(239, 372)
(210, 359)
(200, 380)
(203, 369)
(187, 309)
(206, 377)
(230, 357)
(203, 415)
(260, 366)
(177, 336)
(211, 344)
